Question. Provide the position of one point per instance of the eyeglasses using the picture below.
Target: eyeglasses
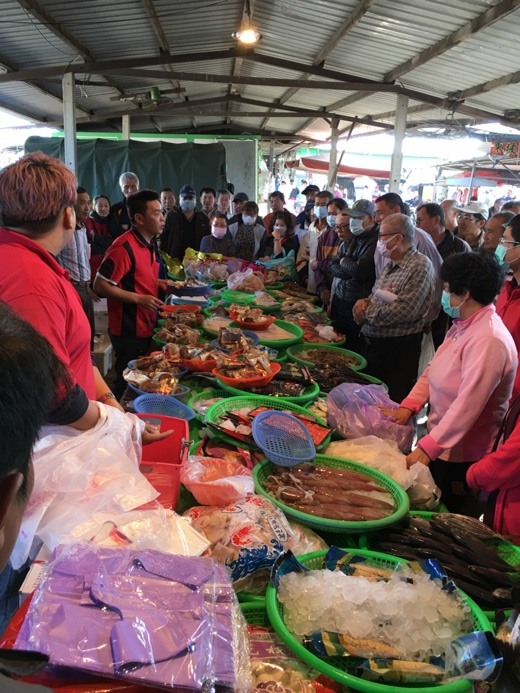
(467, 217)
(342, 227)
(513, 244)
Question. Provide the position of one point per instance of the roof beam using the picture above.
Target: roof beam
(10, 67)
(354, 17)
(487, 18)
(42, 16)
(483, 87)
(99, 67)
(259, 81)
(170, 109)
(163, 42)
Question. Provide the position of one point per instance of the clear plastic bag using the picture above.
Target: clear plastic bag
(216, 481)
(247, 281)
(79, 473)
(353, 410)
(383, 455)
(247, 536)
(423, 492)
(151, 618)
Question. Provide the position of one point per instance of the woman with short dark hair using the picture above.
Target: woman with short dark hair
(468, 382)
(280, 238)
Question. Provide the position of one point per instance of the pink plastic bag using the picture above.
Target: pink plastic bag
(353, 410)
(216, 481)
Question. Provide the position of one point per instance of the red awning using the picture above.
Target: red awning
(308, 163)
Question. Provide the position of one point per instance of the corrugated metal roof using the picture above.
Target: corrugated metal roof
(298, 39)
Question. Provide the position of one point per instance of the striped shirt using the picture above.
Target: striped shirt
(75, 257)
(412, 278)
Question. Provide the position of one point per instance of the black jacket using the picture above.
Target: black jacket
(178, 235)
(354, 266)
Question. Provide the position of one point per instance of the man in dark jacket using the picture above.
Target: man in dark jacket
(119, 219)
(354, 268)
(184, 228)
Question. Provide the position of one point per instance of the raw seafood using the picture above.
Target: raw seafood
(334, 493)
(471, 554)
(328, 357)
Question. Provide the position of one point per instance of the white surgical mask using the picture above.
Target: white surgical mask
(218, 231)
(187, 205)
(281, 229)
(321, 211)
(356, 226)
(248, 219)
(381, 246)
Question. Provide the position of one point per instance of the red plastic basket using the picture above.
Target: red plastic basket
(166, 310)
(162, 461)
(249, 325)
(254, 381)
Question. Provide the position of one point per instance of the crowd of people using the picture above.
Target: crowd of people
(389, 284)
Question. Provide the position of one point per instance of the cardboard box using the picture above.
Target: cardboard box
(103, 353)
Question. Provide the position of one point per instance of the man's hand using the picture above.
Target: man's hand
(95, 297)
(359, 310)
(149, 302)
(314, 265)
(152, 435)
(325, 297)
(163, 285)
(401, 416)
(417, 455)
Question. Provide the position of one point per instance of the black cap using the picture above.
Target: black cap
(241, 197)
(309, 189)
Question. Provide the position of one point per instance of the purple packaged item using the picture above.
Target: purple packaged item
(142, 616)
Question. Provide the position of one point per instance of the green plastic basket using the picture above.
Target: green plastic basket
(308, 395)
(335, 667)
(207, 393)
(293, 352)
(221, 408)
(268, 310)
(296, 331)
(240, 297)
(264, 469)
(255, 612)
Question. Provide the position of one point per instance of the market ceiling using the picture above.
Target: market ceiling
(174, 67)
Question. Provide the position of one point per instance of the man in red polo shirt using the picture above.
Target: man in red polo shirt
(128, 278)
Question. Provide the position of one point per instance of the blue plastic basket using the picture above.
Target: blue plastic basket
(182, 391)
(283, 439)
(164, 405)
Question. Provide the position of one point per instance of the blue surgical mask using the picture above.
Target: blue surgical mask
(187, 204)
(356, 226)
(331, 220)
(321, 211)
(453, 312)
(248, 220)
(500, 253)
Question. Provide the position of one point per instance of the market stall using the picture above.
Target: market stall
(282, 495)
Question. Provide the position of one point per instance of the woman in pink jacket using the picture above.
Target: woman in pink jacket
(468, 382)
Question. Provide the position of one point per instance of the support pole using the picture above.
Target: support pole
(333, 156)
(397, 155)
(69, 121)
(473, 169)
(125, 127)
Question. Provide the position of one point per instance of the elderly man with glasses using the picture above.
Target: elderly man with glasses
(393, 317)
(471, 220)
